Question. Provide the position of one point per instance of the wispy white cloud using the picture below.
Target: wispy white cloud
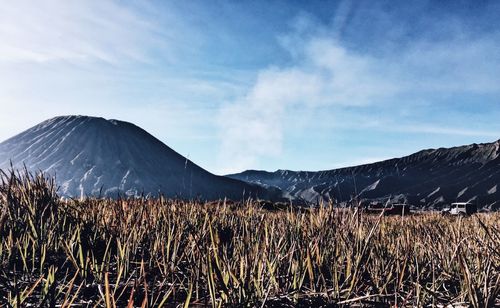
(74, 31)
(327, 72)
(253, 126)
(128, 60)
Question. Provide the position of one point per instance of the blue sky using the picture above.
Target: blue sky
(234, 85)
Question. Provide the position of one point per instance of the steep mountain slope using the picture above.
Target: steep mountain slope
(428, 178)
(92, 156)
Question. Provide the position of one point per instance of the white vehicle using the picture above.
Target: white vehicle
(461, 208)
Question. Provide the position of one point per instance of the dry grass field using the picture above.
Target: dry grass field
(152, 253)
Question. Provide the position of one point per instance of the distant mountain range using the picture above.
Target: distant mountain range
(426, 179)
(96, 157)
(92, 156)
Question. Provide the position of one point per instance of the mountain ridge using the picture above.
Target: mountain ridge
(427, 178)
(90, 155)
